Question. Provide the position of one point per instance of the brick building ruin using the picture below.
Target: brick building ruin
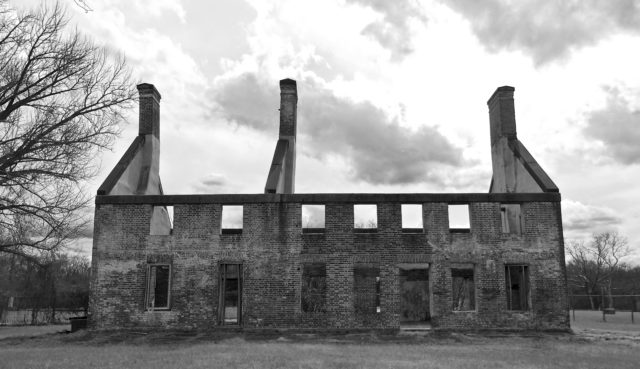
(504, 270)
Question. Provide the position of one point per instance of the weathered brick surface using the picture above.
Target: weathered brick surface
(272, 249)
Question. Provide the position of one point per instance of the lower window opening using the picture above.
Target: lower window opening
(366, 286)
(463, 294)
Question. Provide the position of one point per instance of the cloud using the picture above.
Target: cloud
(393, 31)
(618, 127)
(139, 9)
(547, 30)
(80, 247)
(313, 216)
(157, 7)
(580, 220)
(245, 101)
(377, 148)
(212, 183)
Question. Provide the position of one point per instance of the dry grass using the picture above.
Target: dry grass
(618, 322)
(189, 350)
(31, 330)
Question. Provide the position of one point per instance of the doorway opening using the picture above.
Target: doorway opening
(230, 302)
(415, 311)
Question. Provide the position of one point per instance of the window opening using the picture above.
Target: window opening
(366, 285)
(459, 218)
(517, 287)
(504, 219)
(378, 294)
(313, 219)
(231, 219)
(412, 218)
(511, 218)
(463, 290)
(314, 287)
(158, 286)
(161, 221)
(365, 218)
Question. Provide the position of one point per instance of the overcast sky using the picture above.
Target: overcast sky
(392, 94)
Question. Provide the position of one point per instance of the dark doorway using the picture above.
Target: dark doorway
(230, 312)
(414, 295)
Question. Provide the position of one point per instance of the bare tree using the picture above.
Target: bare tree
(61, 99)
(83, 5)
(583, 270)
(593, 264)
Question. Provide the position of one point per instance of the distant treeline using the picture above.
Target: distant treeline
(44, 284)
(625, 281)
(597, 271)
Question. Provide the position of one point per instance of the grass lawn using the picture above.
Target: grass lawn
(157, 351)
(618, 322)
(31, 330)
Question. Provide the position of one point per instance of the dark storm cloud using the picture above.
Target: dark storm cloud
(378, 149)
(248, 103)
(547, 30)
(618, 127)
(393, 32)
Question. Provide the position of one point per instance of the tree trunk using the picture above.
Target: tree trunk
(52, 272)
(609, 296)
(34, 316)
(586, 288)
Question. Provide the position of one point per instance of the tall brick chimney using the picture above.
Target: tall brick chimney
(149, 110)
(288, 107)
(138, 171)
(502, 121)
(514, 168)
(502, 115)
(288, 129)
(149, 129)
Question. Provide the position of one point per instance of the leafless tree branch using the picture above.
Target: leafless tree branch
(593, 264)
(61, 100)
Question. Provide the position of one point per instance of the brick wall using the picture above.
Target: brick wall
(272, 249)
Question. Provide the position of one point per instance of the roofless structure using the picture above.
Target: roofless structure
(503, 267)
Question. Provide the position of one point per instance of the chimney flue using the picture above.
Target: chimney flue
(502, 116)
(149, 110)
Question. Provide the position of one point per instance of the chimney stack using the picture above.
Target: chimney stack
(288, 107)
(282, 174)
(149, 110)
(502, 116)
(288, 128)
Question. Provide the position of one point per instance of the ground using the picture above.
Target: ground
(594, 344)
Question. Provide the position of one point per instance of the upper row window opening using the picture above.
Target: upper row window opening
(412, 218)
(365, 217)
(313, 218)
(459, 218)
(232, 219)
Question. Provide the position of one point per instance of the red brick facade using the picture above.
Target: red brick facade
(272, 249)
